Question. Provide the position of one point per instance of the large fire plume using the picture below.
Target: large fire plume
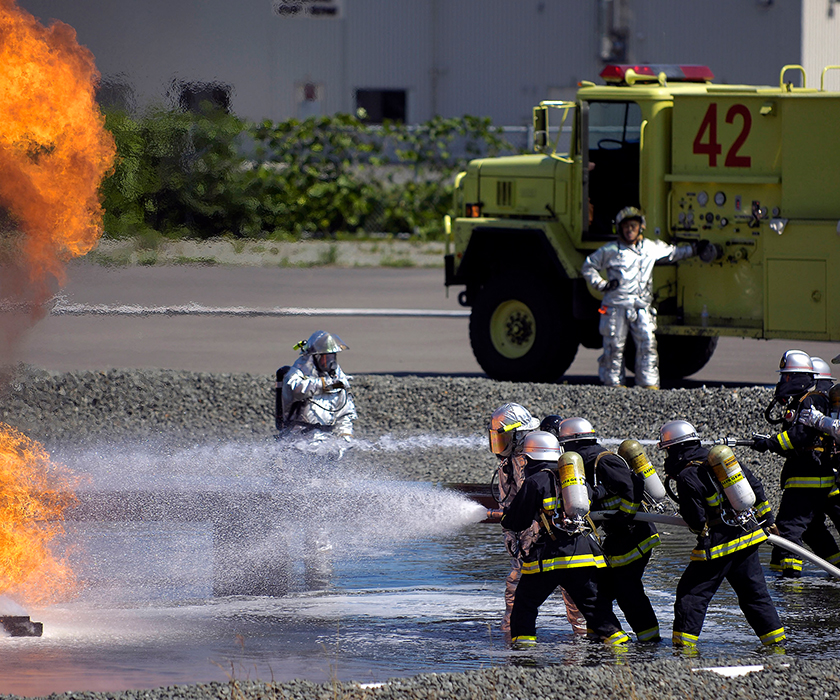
(54, 148)
(34, 494)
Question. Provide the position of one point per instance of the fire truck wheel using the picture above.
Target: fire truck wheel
(679, 355)
(517, 332)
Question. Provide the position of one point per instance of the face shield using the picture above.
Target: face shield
(502, 438)
(326, 363)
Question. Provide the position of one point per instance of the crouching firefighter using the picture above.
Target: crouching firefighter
(563, 554)
(313, 396)
(627, 543)
(724, 504)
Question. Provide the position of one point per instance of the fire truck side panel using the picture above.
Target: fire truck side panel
(811, 156)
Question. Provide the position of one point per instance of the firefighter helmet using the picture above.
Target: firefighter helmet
(573, 429)
(627, 214)
(508, 420)
(551, 424)
(821, 368)
(321, 343)
(540, 446)
(796, 362)
(676, 431)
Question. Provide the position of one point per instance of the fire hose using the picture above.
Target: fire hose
(772, 539)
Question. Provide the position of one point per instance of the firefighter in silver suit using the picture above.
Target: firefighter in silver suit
(509, 426)
(628, 295)
(315, 391)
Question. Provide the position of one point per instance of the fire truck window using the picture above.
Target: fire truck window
(613, 139)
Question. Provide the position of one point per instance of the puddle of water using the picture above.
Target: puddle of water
(401, 592)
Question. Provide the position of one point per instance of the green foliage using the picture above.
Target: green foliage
(211, 174)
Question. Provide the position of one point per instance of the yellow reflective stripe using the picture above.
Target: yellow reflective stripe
(833, 559)
(629, 506)
(618, 638)
(647, 635)
(809, 482)
(773, 637)
(784, 441)
(787, 563)
(524, 641)
(684, 639)
(577, 561)
(729, 547)
(763, 508)
(550, 503)
(636, 553)
(713, 500)
(610, 503)
(834, 492)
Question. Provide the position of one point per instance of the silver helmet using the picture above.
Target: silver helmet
(796, 362)
(573, 429)
(321, 343)
(540, 446)
(676, 431)
(507, 421)
(821, 368)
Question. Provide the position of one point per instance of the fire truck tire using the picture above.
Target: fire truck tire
(518, 332)
(679, 355)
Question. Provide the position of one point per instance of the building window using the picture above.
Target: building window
(196, 97)
(375, 106)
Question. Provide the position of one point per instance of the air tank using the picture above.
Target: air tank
(731, 477)
(632, 452)
(573, 485)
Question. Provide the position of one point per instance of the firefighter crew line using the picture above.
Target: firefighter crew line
(553, 477)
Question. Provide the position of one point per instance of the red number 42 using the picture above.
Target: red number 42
(706, 142)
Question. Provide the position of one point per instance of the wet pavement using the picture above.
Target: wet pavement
(402, 590)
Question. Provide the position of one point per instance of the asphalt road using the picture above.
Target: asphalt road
(261, 344)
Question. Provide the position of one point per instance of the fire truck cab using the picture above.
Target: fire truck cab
(755, 170)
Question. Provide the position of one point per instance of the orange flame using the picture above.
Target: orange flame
(54, 148)
(34, 493)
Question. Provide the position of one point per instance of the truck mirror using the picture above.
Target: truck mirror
(540, 128)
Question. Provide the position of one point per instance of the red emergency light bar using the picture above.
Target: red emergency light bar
(629, 74)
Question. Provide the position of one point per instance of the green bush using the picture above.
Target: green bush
(211, 174)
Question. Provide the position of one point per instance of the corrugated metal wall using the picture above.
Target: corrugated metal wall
(486, 57)
(742, 41)
(821, 42)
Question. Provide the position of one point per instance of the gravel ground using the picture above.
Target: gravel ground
(450, 413)
(447, 416)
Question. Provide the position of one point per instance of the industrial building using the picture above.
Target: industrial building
(413, 59)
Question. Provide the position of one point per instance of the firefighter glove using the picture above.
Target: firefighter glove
(761, 443)
(337, 384)
(612, 284)
(810, 417)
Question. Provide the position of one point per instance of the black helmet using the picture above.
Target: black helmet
(551, 424)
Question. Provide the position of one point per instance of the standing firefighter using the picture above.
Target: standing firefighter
(509, 427)
(628, 295)
(722, 503)
(564, 553)
(807, 476)
(627, 544)
(313, 394)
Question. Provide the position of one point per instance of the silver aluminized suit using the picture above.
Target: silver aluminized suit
(512, 472)
(310, 400)
(628, 306)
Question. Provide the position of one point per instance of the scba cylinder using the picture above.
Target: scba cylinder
(731, 477)
(573, 485)
(632, 452)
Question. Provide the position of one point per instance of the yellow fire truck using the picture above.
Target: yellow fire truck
(755, 170)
